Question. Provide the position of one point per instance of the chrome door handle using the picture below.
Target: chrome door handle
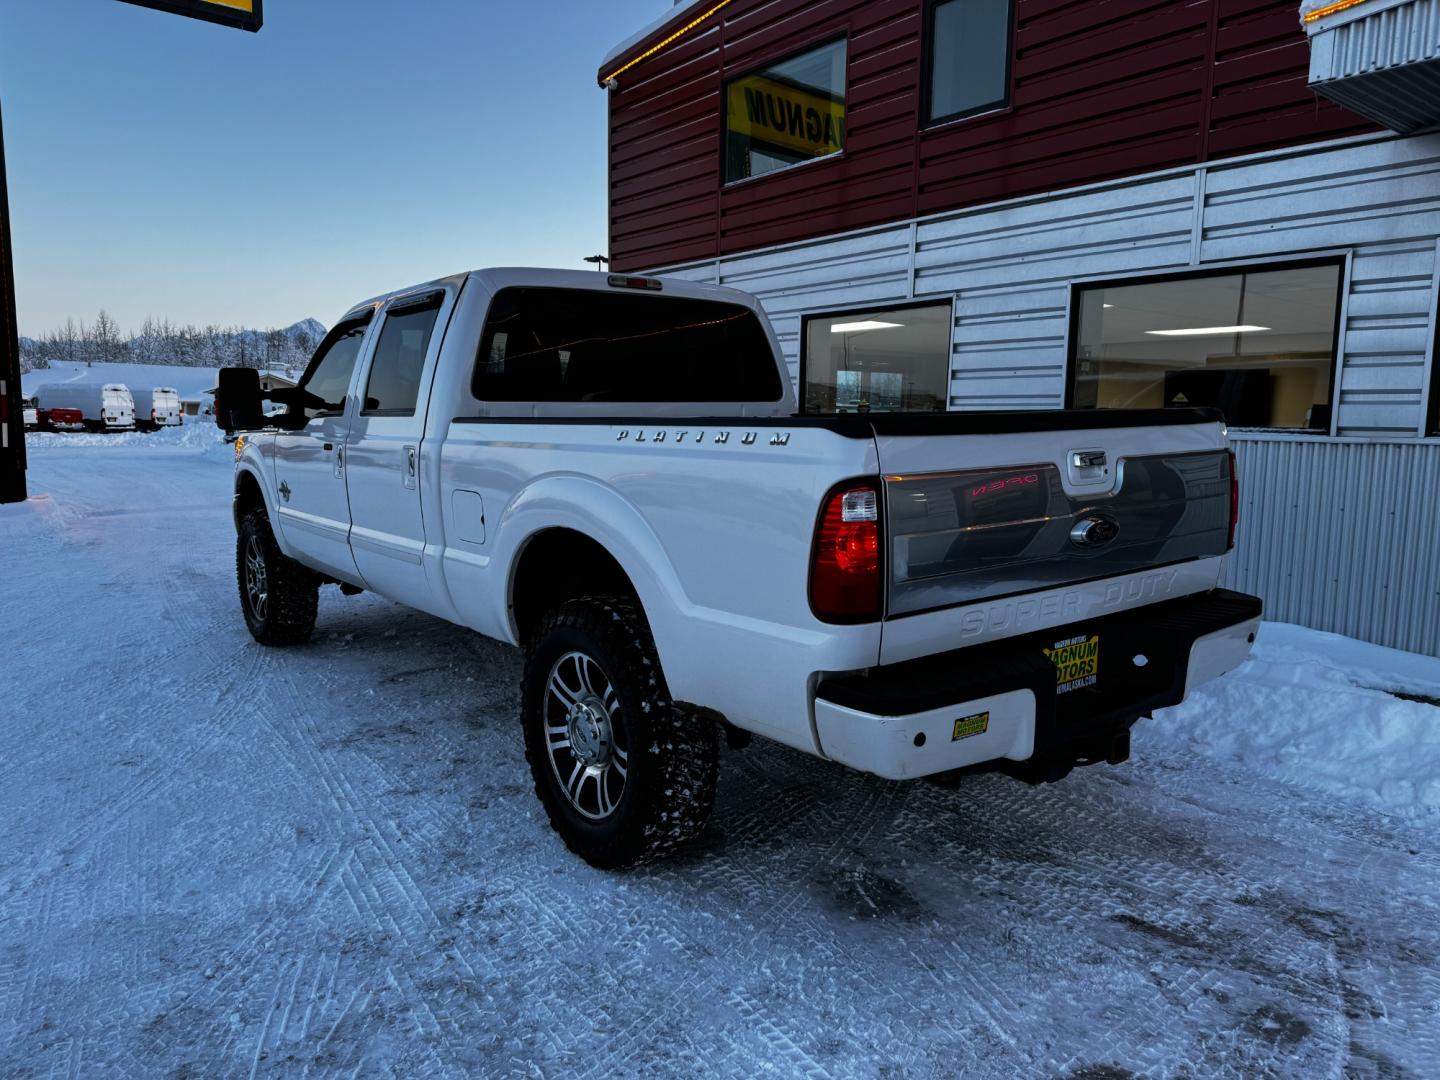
(410, 465)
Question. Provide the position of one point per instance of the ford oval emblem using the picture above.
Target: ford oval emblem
(1094, 532)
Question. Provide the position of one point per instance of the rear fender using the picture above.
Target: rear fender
(592, 509)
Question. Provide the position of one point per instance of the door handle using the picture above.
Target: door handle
(410, 463)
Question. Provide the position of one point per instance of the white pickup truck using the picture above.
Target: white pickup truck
(610, 472)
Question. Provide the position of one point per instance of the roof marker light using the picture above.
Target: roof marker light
(621, 281)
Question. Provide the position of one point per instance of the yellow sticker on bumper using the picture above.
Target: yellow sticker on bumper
(967, 726)
(1077, 662)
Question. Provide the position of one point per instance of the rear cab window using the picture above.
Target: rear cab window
(578, 345)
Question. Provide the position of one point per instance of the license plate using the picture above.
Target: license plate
(1077, 662)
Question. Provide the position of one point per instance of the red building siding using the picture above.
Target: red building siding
(1101, 89)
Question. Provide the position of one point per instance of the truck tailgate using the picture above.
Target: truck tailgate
(988, 509)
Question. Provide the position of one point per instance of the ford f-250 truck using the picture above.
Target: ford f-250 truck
(610, 472)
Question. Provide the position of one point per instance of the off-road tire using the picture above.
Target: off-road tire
(673, 754)
(292, 590)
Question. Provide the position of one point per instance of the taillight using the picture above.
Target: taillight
(845, 583)
(1234, 500)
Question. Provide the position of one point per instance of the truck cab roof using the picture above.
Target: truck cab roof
(496, 278)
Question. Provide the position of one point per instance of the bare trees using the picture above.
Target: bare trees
(159, 341)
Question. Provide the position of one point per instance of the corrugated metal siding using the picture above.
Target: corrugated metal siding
(1381, 201)
(1384, 64)
(1010, 267)
(1102, 88)
(1342, 535)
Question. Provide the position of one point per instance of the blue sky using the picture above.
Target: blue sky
(162, 166)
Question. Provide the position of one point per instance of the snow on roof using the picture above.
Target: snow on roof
(188, 382)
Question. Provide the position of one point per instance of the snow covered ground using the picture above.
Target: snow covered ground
(219, 860)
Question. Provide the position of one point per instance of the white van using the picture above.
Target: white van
(157, 407)
(104, 406)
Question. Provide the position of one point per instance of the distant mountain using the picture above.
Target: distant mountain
(314, 327)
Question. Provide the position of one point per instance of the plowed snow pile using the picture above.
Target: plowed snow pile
(1320, 710)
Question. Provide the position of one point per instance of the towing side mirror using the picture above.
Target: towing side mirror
(237, 404)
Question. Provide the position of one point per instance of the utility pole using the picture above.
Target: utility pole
(12, 416)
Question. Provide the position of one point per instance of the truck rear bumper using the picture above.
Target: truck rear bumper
(1000, 703)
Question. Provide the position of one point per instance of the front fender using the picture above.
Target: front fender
(252, 464)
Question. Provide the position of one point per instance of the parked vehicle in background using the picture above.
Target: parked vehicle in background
(60, 419)
(157, 407)
(102, 406)
(609, 472)
(30, 413)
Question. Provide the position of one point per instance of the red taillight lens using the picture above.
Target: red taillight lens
(845, 584)
(1234, 500)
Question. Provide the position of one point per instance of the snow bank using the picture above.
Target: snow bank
(198, 433)
(1315, 709)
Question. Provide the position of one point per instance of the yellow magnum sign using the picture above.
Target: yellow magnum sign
(785, 116)
(1077, 662)
(241, 14)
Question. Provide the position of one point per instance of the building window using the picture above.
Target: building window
(1258, 344)
(969, 58)
(785, 114)
(886, 360)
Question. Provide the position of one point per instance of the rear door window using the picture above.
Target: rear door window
(545, 344)
(394, 384)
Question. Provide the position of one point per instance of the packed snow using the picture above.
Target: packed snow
(218, 859)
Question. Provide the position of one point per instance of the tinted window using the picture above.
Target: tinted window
(394, 383)
(1257, 344)
(330, 369)
(786, 113)
(584, 345)
(969, 57)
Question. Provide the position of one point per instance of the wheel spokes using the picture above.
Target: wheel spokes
(585, 745)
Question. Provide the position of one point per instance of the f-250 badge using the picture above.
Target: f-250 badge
(718, 438)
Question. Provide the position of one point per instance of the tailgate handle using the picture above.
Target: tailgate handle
(1088, 459)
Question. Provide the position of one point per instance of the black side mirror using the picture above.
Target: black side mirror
(237, 404)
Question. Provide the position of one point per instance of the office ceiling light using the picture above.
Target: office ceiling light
(864, 324)
(1207, 331)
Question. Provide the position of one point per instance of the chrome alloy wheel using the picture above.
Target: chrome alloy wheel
(257, 582)
(587, 749)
